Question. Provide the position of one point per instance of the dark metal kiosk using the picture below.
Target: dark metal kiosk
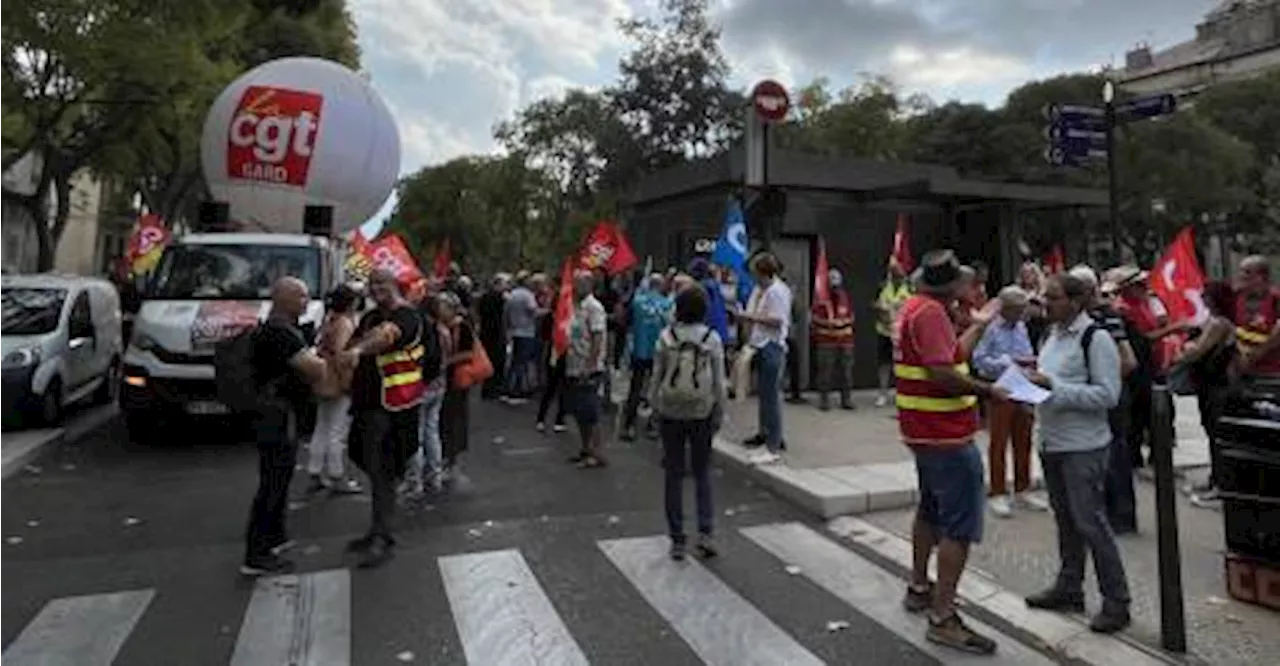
(853, 205)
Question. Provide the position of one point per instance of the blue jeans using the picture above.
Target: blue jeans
(524, 351)
(683, 442)
(429, 430)
(771, 359)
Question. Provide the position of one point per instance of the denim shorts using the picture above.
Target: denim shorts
(582, 400)
(952, 491)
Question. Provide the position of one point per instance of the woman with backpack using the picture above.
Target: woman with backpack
(688, 397)
(328, 450)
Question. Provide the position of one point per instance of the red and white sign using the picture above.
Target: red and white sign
(298, 132)
(273, 135)
(770, 100)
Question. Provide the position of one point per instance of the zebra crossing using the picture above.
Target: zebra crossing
(504, 613)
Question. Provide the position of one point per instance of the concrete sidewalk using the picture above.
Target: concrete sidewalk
(22, 447)
(852, 462)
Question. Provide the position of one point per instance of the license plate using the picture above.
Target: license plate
(206, 407)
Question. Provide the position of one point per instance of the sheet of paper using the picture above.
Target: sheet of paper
(1020, 388)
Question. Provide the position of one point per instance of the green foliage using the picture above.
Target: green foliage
(121, 87)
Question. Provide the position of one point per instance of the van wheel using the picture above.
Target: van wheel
(51, 404)
(106, 394)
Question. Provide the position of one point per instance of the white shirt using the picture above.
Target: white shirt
(773, 303)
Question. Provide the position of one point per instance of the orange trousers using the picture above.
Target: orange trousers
(1009, 421)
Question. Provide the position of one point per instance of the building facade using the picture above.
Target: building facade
(1238, 39)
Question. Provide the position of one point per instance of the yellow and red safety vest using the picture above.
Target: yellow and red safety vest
(401, 372)
(928, 415)
(1253, 327)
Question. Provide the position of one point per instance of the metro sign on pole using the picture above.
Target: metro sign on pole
(1076, 134)
(770, 100)
(1073, 113)
(1073, 154)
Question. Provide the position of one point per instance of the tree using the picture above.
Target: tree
(77, 76)
(496, 212)
(863, 120)
(673, 92)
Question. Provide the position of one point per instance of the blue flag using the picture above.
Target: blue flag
(732, 248)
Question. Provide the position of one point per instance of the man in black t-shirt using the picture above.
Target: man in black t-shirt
(386, 391)
(284, 368)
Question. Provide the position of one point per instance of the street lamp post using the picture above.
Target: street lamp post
(1108, 98)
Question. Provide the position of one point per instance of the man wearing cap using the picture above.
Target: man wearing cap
(1257, 319)
(937, 402)
(833, 341)
(1133, 302)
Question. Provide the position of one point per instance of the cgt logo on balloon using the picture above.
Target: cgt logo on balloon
(273, 134)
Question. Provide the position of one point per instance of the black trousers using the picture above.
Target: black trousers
(495, 385)
(641, 368)
(555, 388)
(274, 434)
(380, 444)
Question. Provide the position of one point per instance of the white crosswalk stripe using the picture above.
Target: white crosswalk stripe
(721, 627)
(79, 631)
(299, 620)
(873, 591)
(503, 614)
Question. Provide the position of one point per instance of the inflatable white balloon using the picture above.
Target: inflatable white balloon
(296, 132)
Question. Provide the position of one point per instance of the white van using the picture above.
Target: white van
(61, 344)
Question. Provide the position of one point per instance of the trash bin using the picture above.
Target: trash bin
(1248, 437)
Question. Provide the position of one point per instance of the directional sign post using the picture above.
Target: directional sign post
(1078, 135)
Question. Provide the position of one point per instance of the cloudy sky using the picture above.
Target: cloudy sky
(451, 69)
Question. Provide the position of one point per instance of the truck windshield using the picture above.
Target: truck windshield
(30, 311)
(208, 272)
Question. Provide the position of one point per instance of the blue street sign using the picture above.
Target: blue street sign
(1072, 113)
(1067, 133)
(1073, 154)
(1147, 107)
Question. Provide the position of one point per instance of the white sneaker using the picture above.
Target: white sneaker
(764, 458)
(1000, 507)
(559, 427)
(540, 426)
(882, 400)
(1028, 502)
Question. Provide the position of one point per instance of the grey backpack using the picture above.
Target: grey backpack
(687, 388)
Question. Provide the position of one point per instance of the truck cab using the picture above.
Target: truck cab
(206, 288)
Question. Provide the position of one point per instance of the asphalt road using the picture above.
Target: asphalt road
(117, 549)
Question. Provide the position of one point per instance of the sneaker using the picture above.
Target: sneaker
(918, 599)
(677, 550)
(882, 400)
(559, 427)
(1110, 620)
(706, 547)
(283, 547)
(379, 552)
(516, 402)
(848, 406)
(267, 565)
(361, 544)
(1000, 506)
(540, 426)
(1028, 502)
(504, 399)
(343, 486)
(577, 457)
(951, 631)
(1208, 499)
(1056, 600)
(764, 458)
(754, 441)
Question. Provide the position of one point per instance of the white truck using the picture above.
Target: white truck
(207, 287)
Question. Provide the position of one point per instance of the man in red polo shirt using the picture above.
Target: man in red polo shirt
(1257, 318)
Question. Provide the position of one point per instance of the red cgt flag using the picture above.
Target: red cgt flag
(564, 310)
(150, 236)
(607, 247)
(1056, 261)
(822, 276)
(1178, 280)
(390, 253)
(901, 254)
